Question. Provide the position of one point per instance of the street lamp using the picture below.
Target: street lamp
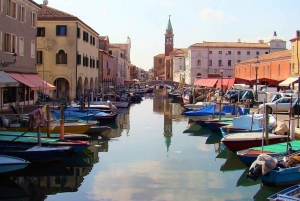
(221, 74)
(5, 64)
(256, 69)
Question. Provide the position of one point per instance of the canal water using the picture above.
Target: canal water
(152, 153)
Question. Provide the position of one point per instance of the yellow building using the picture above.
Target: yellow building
(67, 54)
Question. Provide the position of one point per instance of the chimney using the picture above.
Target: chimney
(298, 33)
(261, 41)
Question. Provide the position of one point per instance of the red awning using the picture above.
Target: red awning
(38, 82)
(32, 80)
(230, 83)
(20, 78)
(211, 82)
(198, 82)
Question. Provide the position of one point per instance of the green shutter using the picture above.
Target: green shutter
(66, 59)
(56, 58)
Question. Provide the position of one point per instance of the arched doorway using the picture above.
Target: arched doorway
(86, 85)
(62, 89)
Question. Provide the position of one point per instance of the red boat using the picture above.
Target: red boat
(240, 141)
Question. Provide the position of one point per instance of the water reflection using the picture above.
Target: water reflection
(37, 181)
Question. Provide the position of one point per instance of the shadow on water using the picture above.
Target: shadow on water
(232, 163)
(266, 191)
(244, 181)
(38, 180)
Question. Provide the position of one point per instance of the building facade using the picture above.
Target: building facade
(106, 65)
(206, 59)
(18, 22)
(67, 54)
(272, 69)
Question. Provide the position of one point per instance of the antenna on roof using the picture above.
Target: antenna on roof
(239, 40)
(45, 2)
(275, 35)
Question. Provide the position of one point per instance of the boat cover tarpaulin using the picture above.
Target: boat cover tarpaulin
(213, 110)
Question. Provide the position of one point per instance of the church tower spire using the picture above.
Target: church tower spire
(169, 36)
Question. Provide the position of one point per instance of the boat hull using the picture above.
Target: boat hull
(240, 141)
(37, 154)
(248, 156)
(68, 128)
(282, 177)
(10, 163)
(290, 193)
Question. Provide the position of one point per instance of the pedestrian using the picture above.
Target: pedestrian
(113, 108)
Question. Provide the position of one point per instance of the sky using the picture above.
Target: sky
(193, 21)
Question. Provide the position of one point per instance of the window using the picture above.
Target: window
(40, 32)
(248, 52)
(10, 43)
(11, 9)
(94, 41)
(257, 53)
(210, 62)
(239, 52)
(278, 69)
(199, 62)
(78, 32)
(220, 62)
(61, 30)
(229, 52)
(91, 62)
(229, 63)
(78, 59)
(85, 36)
(97, 64)
(61, 57)
(266, 52)
(110, 52)
(39, 57)
(22, 13)
(91, 39)
(160, 61)
(21, 46)
(209, 52)
(238, 61)
(33, 19)
(121, 55)
(32, 49)
(220, 52)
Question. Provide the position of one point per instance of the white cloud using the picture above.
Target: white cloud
(209, 14)
(256, 39)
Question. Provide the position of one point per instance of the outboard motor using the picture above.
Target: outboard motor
(261, 166)
(255, 172)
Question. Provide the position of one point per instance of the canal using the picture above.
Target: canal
(152, 153)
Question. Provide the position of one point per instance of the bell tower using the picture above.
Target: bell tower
(169, 38)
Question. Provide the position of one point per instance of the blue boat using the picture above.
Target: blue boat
(289, 194)
(103, 116)
(37, 153)
(213, 110)
(10, 163)
(248, 156)
(74, 115)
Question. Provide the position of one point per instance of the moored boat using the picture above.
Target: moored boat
(10, 163)
(37, 153)
(289, 194)
(240, 141)
(248, 156)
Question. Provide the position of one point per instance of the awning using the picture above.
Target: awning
(288, 81)
(211, 82)
(38, 82)
(198, 81)
(230, 83)
(7, 81)
(32, 80)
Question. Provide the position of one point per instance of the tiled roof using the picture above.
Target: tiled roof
(51, 14)
(121, 45)
(113, 46)
(160, 55)
(231, 45)
(179, 52)
(271, 56)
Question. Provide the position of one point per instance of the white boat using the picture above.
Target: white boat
(10, 163)
(197, 105)
(122, 103)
